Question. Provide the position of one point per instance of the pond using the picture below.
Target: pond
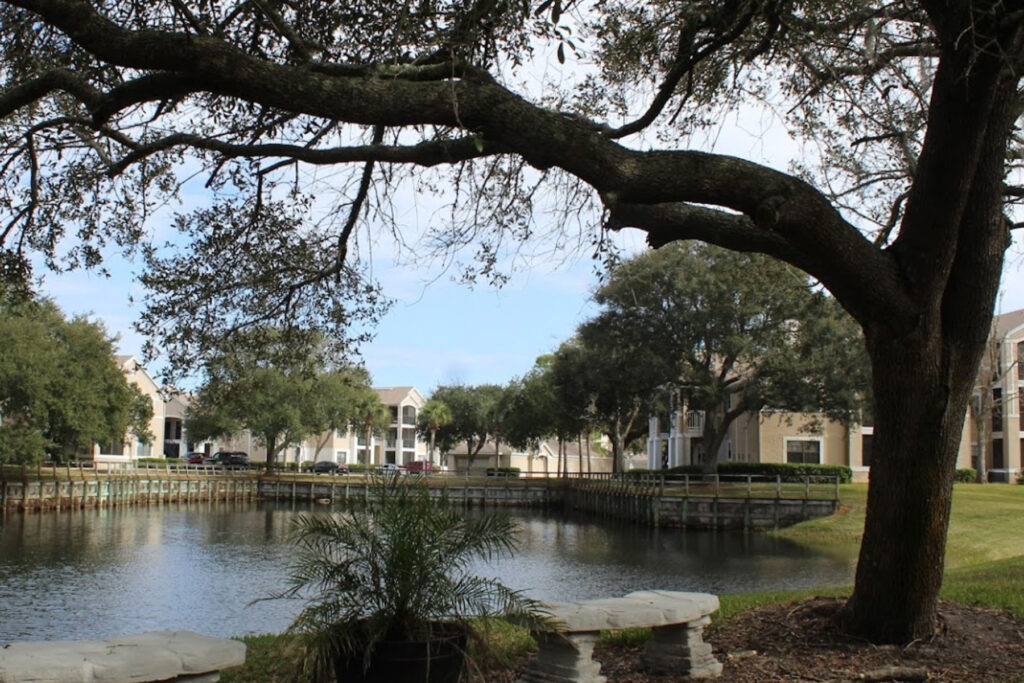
(92, 574)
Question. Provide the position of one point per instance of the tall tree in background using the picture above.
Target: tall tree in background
(734, 333)
(610, 378)
(433, 415)
(473, 412)
(370, 418)
(61, 389)
(336, 402)
(911, 105)
(533, 408)
(273, 385)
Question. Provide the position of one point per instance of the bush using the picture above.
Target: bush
(359, 467)
(512, 472)
(306, 465)
(966, 475)
(786, 471)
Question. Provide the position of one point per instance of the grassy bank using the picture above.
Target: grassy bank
(981, 529)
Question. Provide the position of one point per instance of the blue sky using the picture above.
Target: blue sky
(440, 332)
(437, 332)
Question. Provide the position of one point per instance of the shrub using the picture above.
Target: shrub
(966, 475)
(786, 471)
(512, 472)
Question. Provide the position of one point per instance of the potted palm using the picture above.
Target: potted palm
(388, 588)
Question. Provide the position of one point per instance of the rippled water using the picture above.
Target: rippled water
(101, 573)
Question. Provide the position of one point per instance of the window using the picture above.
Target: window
(803, 451)
(997, 410)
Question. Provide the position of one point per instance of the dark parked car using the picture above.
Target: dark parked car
(231, 459)
(328, 467)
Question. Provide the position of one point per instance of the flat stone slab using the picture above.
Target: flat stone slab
(153, 656)
(642, 609)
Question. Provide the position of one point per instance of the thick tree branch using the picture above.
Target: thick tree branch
(668, 222)
(428, 153)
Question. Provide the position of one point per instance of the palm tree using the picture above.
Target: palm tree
(398, 571)
(433, 415)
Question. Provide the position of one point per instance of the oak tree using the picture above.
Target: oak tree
(61, 388)
(733, 333)
(108, 107)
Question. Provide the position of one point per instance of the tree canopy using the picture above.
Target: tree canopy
(901, 206)
(61, 389)
(727, 333)
(281, 396)
(474, 410)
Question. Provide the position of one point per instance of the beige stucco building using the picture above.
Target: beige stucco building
(1001, 374)
(399, 444)
(542, 461)
(772, 436)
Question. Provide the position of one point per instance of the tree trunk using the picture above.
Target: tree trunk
(919, 414)
(950, 252)
(271, 453)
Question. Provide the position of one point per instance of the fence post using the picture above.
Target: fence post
(837, 488)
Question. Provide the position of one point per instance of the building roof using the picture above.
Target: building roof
(1008, 322)
(392, 396)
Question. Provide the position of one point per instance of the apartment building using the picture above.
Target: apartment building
(1001, 374)
(399, 444)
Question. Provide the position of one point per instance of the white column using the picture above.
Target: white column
(653, 443)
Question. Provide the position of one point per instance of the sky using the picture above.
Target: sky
(437, 332)
(440, 332)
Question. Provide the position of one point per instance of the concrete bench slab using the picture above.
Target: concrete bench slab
(154, 656)
(676, 646)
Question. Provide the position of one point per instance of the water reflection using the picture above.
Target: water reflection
(101, 573)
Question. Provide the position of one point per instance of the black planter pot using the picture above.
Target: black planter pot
(438, 660)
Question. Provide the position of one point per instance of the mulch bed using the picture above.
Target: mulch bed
(800, 642)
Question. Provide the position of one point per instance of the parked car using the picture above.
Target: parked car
(328, 467)
(195, 458)
(231, 459)
(423, 466)
(390, 468)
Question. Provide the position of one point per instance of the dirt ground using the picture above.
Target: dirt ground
(801, 643)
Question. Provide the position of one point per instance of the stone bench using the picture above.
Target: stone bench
(155, 656)
(676, 645)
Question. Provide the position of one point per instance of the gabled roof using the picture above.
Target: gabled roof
(393, 396)
(1008, 322)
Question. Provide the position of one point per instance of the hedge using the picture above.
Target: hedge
(503, 472)
(786, 471)
(966, 475)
